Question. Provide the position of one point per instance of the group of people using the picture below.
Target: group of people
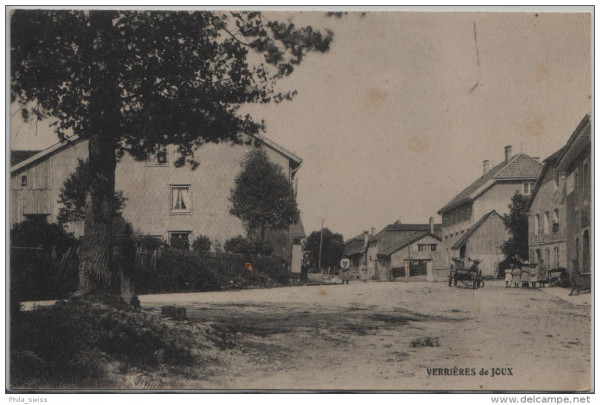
(524, 276)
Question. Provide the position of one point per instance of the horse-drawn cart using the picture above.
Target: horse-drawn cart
(468, 276)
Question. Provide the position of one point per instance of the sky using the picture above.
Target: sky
(397, 117)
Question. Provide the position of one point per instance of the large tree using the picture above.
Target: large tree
(515, 248)
(262, 196)
(136, 81)
(332, 249)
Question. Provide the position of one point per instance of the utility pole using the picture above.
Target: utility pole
(321, 243)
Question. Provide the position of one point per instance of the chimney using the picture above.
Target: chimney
(431, 225)
(372, 231)
(507, 150)
(398, 222)
(486, 166)
(536, 158)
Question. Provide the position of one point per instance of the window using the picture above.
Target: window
(160, 158)
(556, 258)
(546, 222)
(23, 181)
(536, 224)
(180, 199)
(571, 182)
(527, 188)
(555, 224)
(556, 179)
(180, 239)
(433, 247)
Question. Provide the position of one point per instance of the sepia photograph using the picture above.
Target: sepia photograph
(299, 200)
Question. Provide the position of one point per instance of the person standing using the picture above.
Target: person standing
(508, 276)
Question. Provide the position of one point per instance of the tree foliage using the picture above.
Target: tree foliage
(263, 197)
(73, 193)
(137, 81)
(515, 248)
(332, 249)
(201, 244)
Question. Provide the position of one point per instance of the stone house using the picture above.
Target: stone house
(419, 252)
(490, 192)
(575, 162)
(388, 237)
(546, 212)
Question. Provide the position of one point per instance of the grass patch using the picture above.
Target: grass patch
(99, 342)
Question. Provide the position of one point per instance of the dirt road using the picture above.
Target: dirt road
(359, 336)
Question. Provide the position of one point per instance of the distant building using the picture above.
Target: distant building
(385, 239)
(419, 250)
(162, 200)
(355, 249)
(490, 192)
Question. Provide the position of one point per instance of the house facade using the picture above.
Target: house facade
(162, 200)
(490, 192)
(420, 253)
(575, 162)
(387, 238)
(546, 213)
(483, 242)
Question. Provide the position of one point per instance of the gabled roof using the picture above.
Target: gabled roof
(44, 153)
(407, 241)
(295, 161)
(519, 167)
(470, 232)
(548, 163)
(17, 156)
(578, 141)
(359, 248)
(553, 159)
(399, 227)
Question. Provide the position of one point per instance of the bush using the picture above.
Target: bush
(201, 244)
(239, 244)
(242, 245)
(185, 271)
(149, 242)
(42, 234)
(35, 274)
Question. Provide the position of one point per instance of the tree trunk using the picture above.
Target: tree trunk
(95, 271)
(96, 274)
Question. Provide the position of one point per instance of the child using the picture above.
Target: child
(508, 276)
(534, 275)
(516, 277)
(525, 278)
